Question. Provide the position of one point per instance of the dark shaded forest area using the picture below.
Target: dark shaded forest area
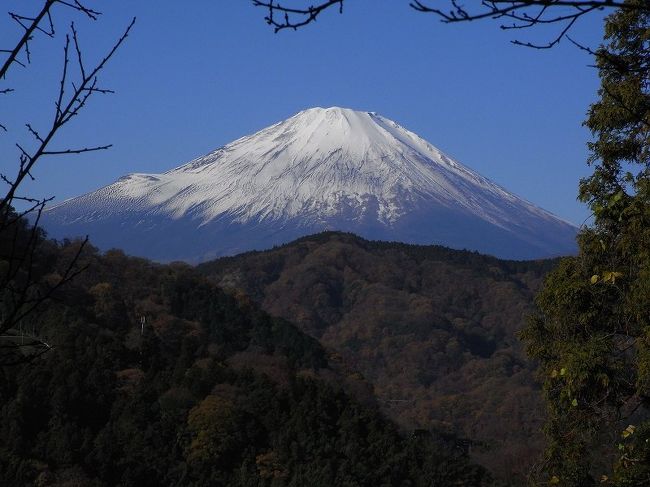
(157, 377)
(431, 328)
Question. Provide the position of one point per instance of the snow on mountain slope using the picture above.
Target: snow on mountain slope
(322, 169)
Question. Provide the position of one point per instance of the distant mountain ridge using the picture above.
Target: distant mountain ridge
(322, 169)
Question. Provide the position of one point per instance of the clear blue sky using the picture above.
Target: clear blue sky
(195, 75)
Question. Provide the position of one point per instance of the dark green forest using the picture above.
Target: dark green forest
(158, 377)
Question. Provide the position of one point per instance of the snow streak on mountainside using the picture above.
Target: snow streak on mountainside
(322, 169)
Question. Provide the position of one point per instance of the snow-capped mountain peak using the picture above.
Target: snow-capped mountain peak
(323, 168)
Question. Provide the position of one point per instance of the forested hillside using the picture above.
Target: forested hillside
(432, 329)
(157, 377)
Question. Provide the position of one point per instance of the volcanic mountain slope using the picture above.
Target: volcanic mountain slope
(322, 169)
(433, 329)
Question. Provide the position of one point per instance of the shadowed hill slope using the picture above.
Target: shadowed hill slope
(207, 390)
(433, 329)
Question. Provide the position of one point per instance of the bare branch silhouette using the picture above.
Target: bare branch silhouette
(24, 288)
(293, 18)
(33, 24)
(513, 14)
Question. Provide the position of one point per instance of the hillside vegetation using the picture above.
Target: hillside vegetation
(157, 377)
(432, 329)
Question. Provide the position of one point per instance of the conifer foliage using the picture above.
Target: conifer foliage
(592, 330)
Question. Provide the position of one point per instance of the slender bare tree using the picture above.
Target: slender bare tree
(23, 288)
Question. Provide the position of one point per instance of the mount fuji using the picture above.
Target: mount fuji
(322, 169)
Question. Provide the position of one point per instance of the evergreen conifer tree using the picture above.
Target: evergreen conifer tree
(591, 334)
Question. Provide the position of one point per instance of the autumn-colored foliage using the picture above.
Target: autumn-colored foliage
(157, 377)
(432, 330)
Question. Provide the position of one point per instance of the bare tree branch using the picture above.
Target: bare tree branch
(514, 14)
(523, 14)
(31, 25)
(77, 151)
(27, 35)
(23, 286)
(287, 15)
(66, 109)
